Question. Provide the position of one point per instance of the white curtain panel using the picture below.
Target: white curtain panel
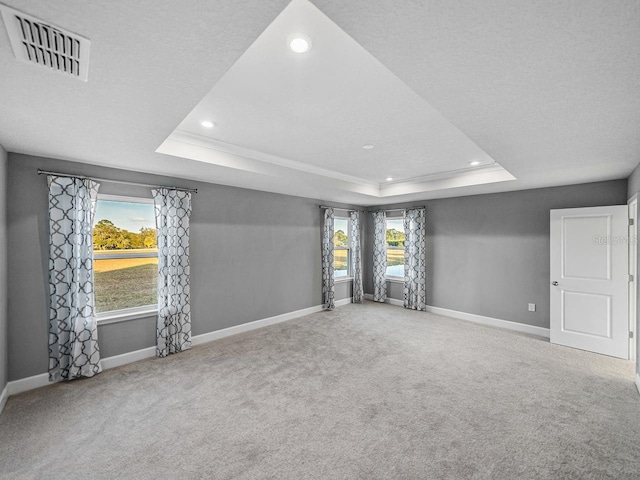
(73, 334)
(379, 256)
(328, 282)
(356, 257)
(173, 209)
(415, 285)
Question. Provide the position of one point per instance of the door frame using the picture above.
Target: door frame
(616, 342)
(633, 270)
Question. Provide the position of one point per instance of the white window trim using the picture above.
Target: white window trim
(133, 313)
(126, 314)
(342, 279)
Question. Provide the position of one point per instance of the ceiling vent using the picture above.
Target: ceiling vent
(39, 43)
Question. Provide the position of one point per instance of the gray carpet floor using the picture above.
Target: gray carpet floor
(365, 392)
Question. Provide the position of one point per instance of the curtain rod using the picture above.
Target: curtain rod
(338, 208)
(45, 172)
(397, 209)
(371, 211)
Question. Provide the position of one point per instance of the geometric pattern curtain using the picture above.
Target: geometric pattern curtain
(172, 210)
(73, 335)
(356, 257)
(379, 256)
(415, 290)
(328, 282)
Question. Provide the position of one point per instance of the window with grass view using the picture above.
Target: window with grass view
(125, 253)
(395, 247)
(340, 248)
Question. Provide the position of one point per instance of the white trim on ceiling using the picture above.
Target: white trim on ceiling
(445, 180)
(202, 141)
(201, 148)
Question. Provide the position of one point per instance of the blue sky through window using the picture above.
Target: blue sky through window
(341, 224)
(128, 216)
(395, 223)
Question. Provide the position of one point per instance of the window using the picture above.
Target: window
(395, 247)
(125, 253)
(341, 250)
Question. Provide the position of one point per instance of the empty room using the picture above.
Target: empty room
(319, 239)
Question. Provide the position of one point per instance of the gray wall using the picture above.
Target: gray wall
(489, 254)
(254, 255)
(4, 345)
(633, 187)
(633, 182)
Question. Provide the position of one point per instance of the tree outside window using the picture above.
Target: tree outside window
(395, 247)
(341, 250)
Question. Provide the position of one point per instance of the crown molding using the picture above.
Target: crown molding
(198, 147)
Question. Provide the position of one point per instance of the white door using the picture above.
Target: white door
(589, 279)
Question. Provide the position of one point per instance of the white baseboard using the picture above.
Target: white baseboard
(344, 301)
(494, 322)
(3, 397)
(264, 322)
(390, 301)
(395, 302)
(638, 382)
(129, 357)
(18, 386)
(472, 317)
(246, 327)
(42, 380)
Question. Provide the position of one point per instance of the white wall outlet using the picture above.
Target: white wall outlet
(532, 307)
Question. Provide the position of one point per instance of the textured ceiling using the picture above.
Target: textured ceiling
(548, 89)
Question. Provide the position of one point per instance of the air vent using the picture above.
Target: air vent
(39, 43)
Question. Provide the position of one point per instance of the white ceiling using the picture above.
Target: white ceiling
(550, 90)
(314, 112)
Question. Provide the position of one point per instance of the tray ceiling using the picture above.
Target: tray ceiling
(315, 111)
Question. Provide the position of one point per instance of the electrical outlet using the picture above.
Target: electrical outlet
(532, 307)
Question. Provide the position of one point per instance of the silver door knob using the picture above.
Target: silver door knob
(555, 284)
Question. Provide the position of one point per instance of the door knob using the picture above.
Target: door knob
(555, 284)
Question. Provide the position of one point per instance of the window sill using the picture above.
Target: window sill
(395, 279)
(117, 316)
(343, 279)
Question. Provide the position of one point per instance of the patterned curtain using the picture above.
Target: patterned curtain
(73, 334)
(173, 208)
(379, 256)
(328, 282)
(356, 257)
(415, 289)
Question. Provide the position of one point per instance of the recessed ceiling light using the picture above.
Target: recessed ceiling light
(207, 124)
(389, 179)
(299, 43)
(368, 146)
(475, 163)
